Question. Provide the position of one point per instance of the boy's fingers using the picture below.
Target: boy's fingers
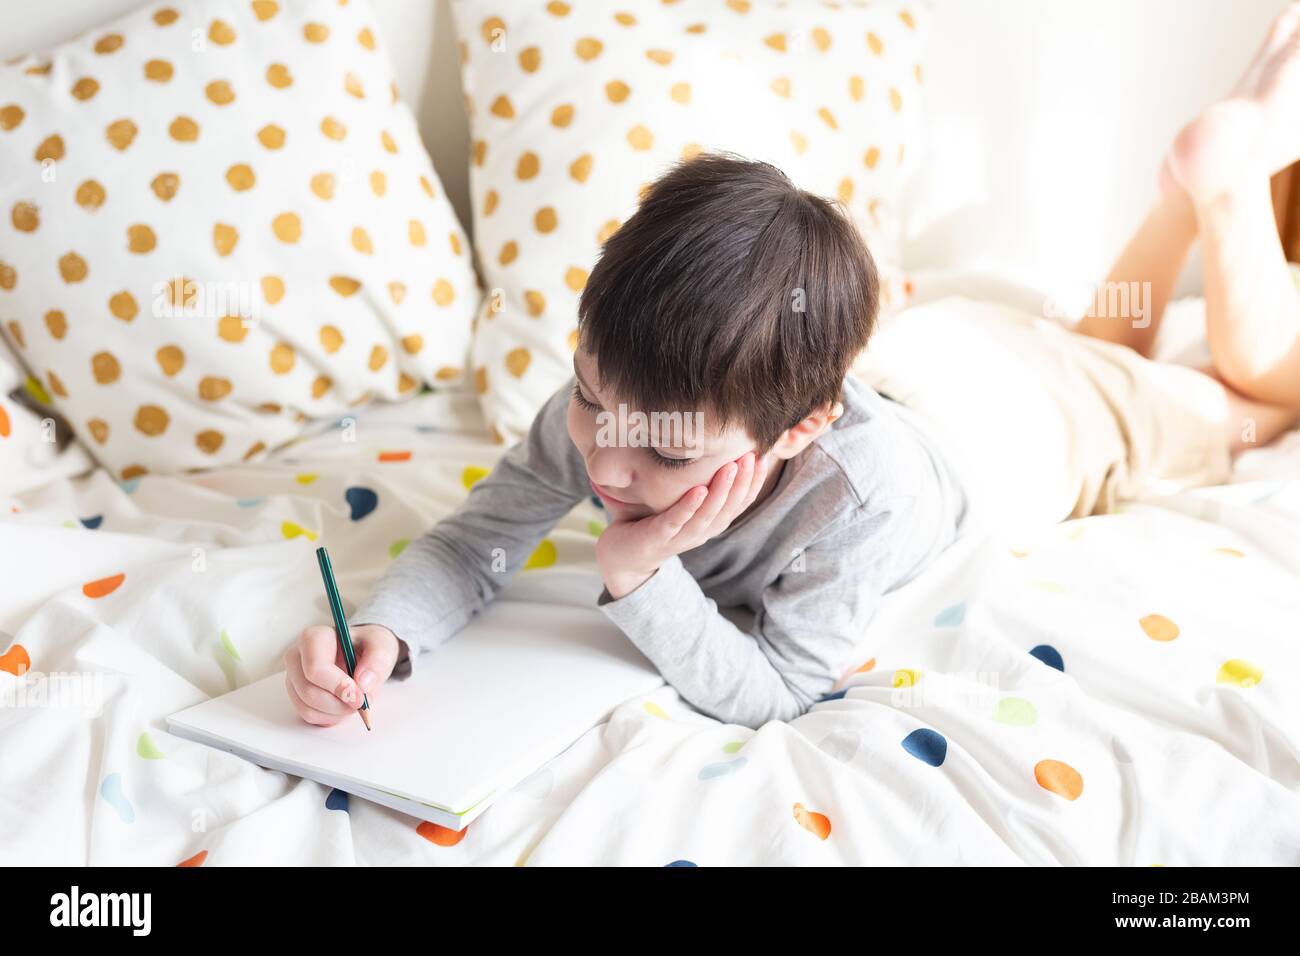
(675, 517)
(375, 660)
(314, 697)
(719, 489)
(319, 648)
(310, 714)
(738, 500)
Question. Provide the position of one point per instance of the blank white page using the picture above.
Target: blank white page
(519, 684)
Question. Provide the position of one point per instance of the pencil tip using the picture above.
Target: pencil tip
(365, 717)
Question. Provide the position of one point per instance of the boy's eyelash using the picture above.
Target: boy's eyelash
(663, 460)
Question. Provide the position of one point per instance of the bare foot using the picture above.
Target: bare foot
(1255, 131)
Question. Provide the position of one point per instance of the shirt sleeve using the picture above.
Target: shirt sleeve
(807, 634)
(450, 573)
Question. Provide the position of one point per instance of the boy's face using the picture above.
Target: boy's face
(637, 479)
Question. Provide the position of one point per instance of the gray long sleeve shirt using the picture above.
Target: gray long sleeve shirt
(755, 624)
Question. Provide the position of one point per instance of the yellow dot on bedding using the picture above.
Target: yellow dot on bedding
(411, 344)
(378, 183)
(220, 92)
(10, 116)
(654, 710)
(588, 48)
(333, 129)
(572, 340)
(306, 478)
(415, 232)
(776, 41)
(1229, 552)
(352, 86)
(241, 177)
(213, 388)
(320, 385)
(37, 390)
(640, 138)
(170, 359)
(517, 361)
(50, 148)
(530, 59)
(184, 130)
(480, 380)
(151, 420)
(322, 185)
(580, 168)
(164, 186)
(221, 33)
(25, 217)
(315, 32)
(231, 328)
(502, 108)
(344, 285)
(105, 367)
(271, 136)
(209, 441)
(845, 190)
(140, 239)
(224, 238)
(396, 292)
(98, 429)
(1239, 673)
(904, 677)
(73, 268)
(871, 157)
(616, 91)
(575, 278)
(278, 75)
(443, 292)
(562, 115)
(896, 101)
(800, 141)
(56, 322)
(287, 227)
(908, 20)
(331, 339)
(158, 71)
(123, 306)
(109, 43)
(545, 219)
(361, 241)
(120, 134)
(85, 88)
(265, 9)
(282, 358)
(659, 57)
(272, 289)
(291, 529)
(366, 38)
(1159, 628)
(472, 474)
(388, 142)
(543, 556)
(8, 277)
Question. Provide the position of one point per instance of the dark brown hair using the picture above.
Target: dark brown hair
(733, 292)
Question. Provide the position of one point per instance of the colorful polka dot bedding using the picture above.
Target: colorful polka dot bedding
(573, 112)
(220, 222)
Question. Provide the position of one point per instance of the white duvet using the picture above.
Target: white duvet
(1124, 690)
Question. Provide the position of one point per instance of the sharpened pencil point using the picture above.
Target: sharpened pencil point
(365, 716)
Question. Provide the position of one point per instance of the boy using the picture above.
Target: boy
(744, 559)
(691, 307)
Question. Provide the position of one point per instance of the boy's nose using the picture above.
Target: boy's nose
(609, 467)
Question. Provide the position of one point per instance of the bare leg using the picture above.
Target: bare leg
(1145, 274)
(1224, 159)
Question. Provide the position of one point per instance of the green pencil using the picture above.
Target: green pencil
(341, 626)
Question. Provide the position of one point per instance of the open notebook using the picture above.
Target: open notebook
(519, 684)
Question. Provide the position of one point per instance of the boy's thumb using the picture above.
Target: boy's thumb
(374, 664)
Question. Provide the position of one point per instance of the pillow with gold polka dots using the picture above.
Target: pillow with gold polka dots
(219, 222)
(576, 106)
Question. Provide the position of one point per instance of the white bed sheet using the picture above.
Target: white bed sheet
(958, 744)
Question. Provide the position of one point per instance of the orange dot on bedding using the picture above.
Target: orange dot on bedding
(103, 587)
(394, 456)
(440, 835)
(196, 860)
(1060, 778)
(16, 661)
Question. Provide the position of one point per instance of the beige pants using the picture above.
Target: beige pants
(1044, 423)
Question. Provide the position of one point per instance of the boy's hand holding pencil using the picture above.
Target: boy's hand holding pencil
(316, 673)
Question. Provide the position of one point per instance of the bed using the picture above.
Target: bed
(1120, 690)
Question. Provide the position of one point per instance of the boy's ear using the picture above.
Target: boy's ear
(800, 435)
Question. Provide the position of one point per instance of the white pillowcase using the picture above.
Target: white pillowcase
(576, 107)
(216, 221)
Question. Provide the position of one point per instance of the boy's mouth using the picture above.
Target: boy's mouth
(607, 496)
